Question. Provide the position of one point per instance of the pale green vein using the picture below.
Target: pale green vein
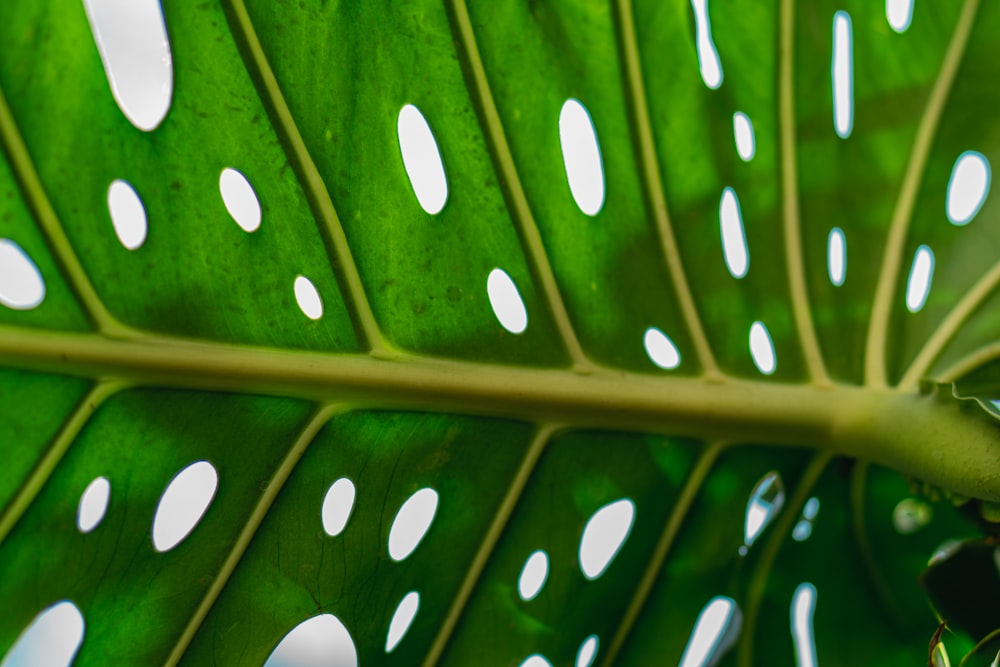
(531, 238)
(486, 547)
(778, 533)
(260, 510)
(969, 363)
(878, 328)
(692, 486)
(32, 486)
(791, 219)
(312, 182)
(990, 643)
(653, 186)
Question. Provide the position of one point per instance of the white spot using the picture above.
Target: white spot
(21, 284)
(842, 74)
(422, 159)
(803, 606)
(836, 256)
(734, 240)
(506, 302)
(746, 146)
(535, 661)
(715, 631)
(967, 187)
(402, 618)
(337, 506)
(603, 536)
(533, 575)
(587, 652)
(899, 13)
(708, 56)
(240, 199)
(132, 40)
(803, 529)
(945, 550)
(320, 641)
(93, 504)
(766, 500)
(183, 503)
(308, 298)
(918, 284)
(910, 515)
(762, 348)
(52, 639)
(412, 522)
(660, 349)
(128, 215)
(581, 157)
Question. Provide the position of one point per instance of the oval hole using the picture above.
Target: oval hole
(183, 504)
(581, 157)
(918, 283)
(506, 302)
(132, 40)
(240, 199)
(21, 284)
(535, 661)
(52, 638)
(899, 13)
(402, 618)
(128, 215)
(715, 632)
(967, 187)
(412, 522)
(422, 159)
(836, 256)
(746, 146)
(318, 641)
(93, 504)
(708, 55)
(587, 652)
(766, 500)
(307, 296)
(337, 506)
(803, 606)
(762, 349)
(734, 240)
(803, 529)
(842, 74)
(533, 575)
(604, 535)
(660, 349)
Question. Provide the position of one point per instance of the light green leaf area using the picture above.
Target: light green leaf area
(762, 479)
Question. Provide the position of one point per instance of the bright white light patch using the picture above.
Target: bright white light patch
(762, 348)
(766, 500)
(93, 504)
(21, 284)
(506, 302)
(660, 349)
(128, 215)
(307, 296)
(715, 631)
(320, 641)
(918, 284)
(899, 13)
(183, 504)
(52, 639)
(533, 575)
(842, 74)
(967, 187)
(746, 145)
(132, 40)
(412, 522)
(708, 56)
(803, 606)
(603, 536)
(422, 159)
(402, 618)
(337, 506)
(581, 157)
(734, 240)
(240, 199)
(587, 652)
(836, 256)
(535, 661)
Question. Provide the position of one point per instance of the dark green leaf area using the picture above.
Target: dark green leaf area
(963, 585)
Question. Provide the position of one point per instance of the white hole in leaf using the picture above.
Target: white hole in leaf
(128, 215)
(842, 74)
(93, 504)
(337, 506)
(581, 157)
(967, 187)
(412, 522)
(240, 199)
(762, 348)
(587, 652)
(422, 159)
(708, 56)
(715, 631)
(21, 284)
(320, 641)
(535, 661)
(132, 40)
(766, 500)
(899, 13)
(910, 515)
(660, 349)
(604, 535)
(533, 575)
(308, 298)
(746, 146)
(51, 639)
(402, 618)
(734, 240)
(803, 529)
(506, 302)
(836, 256)
(803, 606)
(183, 504)
(918, 284)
